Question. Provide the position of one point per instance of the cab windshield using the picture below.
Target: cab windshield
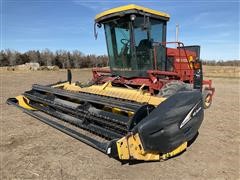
(118, 42)
(130, 44)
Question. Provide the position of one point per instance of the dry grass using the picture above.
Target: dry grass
(209, 71)
(221, 71)
(30, 149)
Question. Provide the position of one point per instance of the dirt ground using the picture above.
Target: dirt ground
(30, 149)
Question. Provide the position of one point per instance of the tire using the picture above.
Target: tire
(207, 99)
(173, 87)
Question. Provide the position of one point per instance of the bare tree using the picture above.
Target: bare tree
(76, 58)
(63, 58)
(12, 57)
(47, 57)
(34, 56)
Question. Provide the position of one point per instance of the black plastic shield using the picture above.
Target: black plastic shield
(173, 122)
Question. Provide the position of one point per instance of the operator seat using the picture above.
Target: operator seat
(144, 44)
(143, 52)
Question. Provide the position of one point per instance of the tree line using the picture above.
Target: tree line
(60, 58)
(221, 63)
(72, 59)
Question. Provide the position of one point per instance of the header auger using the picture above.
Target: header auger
(148, 105)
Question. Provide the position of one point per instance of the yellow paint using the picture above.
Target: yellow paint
(119, 111)
(107, 89)
(176, 151)
(24, 102)
(60, 85)
(122, 148)
(190, 60)
(131, 7)
(130, 147)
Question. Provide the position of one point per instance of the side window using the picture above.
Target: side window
(158, 35)
(142, 45)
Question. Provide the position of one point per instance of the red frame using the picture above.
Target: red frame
(181, 71)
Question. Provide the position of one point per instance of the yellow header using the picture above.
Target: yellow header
(131, 7)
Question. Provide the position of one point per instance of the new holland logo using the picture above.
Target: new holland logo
(191, 114)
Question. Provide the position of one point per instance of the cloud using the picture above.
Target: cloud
(32, 40)
(224, 34)
(40, 30)
(93, 5)
(212, 26)
(201, 16)
(216, 41)
(41, 40)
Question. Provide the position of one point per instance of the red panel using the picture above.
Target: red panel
(181, 71)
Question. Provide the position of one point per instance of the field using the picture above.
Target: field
(222, 71)
(30, 149)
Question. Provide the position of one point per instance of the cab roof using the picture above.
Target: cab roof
(128, 9)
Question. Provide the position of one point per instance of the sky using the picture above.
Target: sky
(68, 24)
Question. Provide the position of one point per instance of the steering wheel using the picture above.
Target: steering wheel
(125, 42)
